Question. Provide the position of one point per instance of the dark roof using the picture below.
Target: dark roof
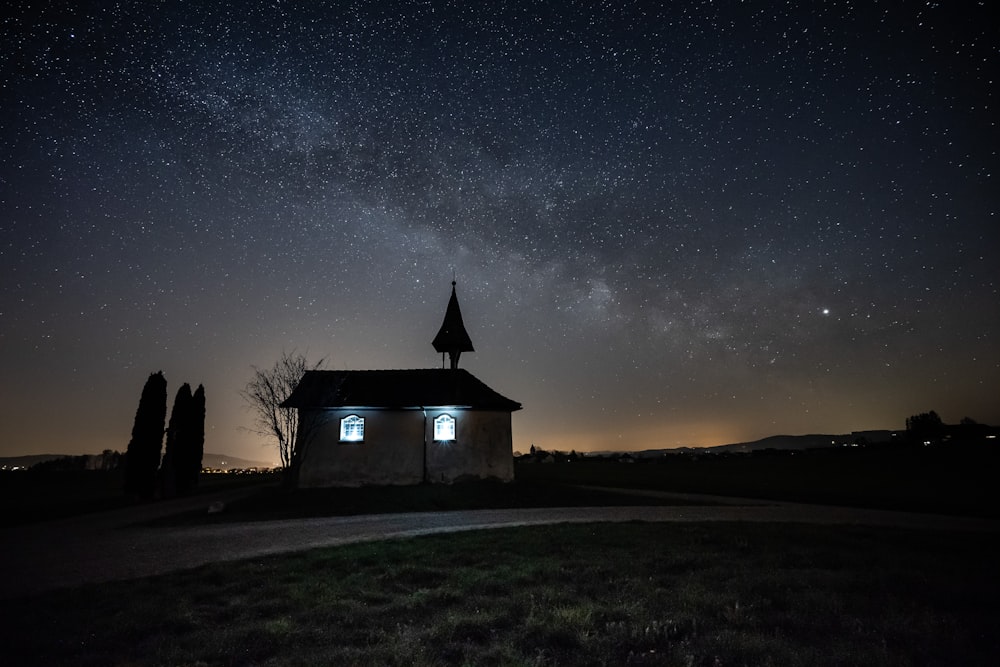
(452, 336)
(396, 389)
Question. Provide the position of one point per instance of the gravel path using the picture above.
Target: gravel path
(107, 547)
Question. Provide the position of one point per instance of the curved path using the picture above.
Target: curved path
(109, 546)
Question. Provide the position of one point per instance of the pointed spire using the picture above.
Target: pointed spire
(452, 337)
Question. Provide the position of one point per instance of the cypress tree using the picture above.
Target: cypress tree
(142, 457)
(197, 434)
(191, 443)
(172, 470)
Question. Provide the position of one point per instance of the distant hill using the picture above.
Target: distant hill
(780, 442)
(216, 461)
(811, 441)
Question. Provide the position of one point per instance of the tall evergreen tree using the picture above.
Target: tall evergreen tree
(193, 443)
(142, 458)
(172, 471)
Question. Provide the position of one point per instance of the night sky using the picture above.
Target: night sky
(688, 225)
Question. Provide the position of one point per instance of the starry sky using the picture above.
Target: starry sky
(691, 224)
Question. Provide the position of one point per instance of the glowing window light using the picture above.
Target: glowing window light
(444, 427)
(352, 429)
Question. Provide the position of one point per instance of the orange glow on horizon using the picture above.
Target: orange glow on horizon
(675, 436)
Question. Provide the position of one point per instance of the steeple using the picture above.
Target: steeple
(452, 337)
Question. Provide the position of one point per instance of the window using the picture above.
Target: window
(444, 427)
(352, 429)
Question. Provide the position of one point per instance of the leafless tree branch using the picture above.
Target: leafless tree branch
(265, 392)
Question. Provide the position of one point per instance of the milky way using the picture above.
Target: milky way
(689, 225)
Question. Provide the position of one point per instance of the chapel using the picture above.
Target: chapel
(382, 427)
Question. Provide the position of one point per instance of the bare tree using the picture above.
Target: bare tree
(264, 394)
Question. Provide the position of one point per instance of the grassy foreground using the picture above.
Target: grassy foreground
(657, 594)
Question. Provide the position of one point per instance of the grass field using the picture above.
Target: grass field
(600, 594)
(658, 594)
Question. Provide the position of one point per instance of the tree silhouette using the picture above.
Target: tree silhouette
(193, 442)
(142, 458)
(173, 457)
(185, 442)
(110, 460)
(265, 393)
(925, 427)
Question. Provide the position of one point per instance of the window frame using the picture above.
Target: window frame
(349, 424)
(445, 419)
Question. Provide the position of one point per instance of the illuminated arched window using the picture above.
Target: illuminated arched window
(444, 427)
(352, 429)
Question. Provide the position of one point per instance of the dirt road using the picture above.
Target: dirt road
(110, 546)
